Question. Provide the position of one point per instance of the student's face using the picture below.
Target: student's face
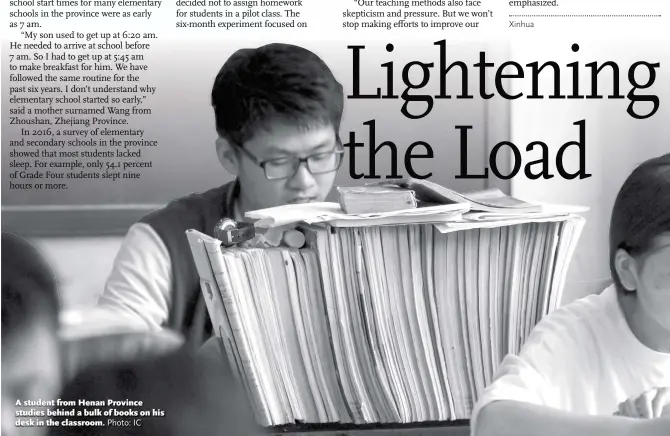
(30, 371)
(285, 141)
(653, 281)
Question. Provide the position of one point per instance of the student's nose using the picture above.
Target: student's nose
(303, 179)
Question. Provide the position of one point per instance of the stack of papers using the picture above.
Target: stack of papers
(487, 200)
(331, 213)
(445, 216)
(381, 324)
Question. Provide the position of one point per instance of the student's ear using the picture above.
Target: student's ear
(626, 269)
(227, 156)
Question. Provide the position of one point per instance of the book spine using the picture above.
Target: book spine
(203, 249)
(245, 361)
(318, 238)
(221, 324)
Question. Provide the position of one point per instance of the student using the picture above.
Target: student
(183, 397)
(278, 110)
(30, 347)
(598, 365)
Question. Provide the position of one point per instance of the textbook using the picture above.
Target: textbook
(381, 324)
(375, 199)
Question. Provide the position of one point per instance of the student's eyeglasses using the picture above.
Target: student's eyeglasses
(285, 167)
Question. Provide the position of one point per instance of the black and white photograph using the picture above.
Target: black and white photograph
(372, 218)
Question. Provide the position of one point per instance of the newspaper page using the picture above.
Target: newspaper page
(139, 136)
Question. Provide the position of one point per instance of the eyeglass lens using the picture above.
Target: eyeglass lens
(316, 164)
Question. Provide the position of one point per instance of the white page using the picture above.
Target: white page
(342, 379)
(535, 282)
(360, 356)
(256, 374)
(386, 407)
(267, 282)
(430, 371)
(443, 388)
(356, 397)
(514, 289)
(325, 364)
(389, 242)
(257, 320)
(296, 346)
(301, 314)
(313, 213)
(459, 313)
(549, 270)
(483, 298)
(529, 234)
(494, 292)
(447, 311)
(419, 366)
(471, 293)
(456, 226)
(390, 371)
(286, 330)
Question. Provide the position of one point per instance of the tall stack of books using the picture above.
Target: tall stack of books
(382, 323)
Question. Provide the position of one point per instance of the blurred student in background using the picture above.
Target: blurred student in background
(31, 362)
(277, 111)
(35, 360)
(601, 365)
(185, 397)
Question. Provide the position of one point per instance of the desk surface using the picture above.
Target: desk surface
(455, 428)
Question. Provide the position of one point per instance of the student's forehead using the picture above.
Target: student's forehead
(280, 138)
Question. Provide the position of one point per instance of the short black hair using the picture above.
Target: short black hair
(274, 82)
(29, 287)
(641, 210)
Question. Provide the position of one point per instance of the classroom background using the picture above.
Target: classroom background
(82, 229)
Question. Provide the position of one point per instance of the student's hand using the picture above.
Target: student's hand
(653, 403)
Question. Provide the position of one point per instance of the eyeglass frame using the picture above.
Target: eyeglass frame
(338, 151)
